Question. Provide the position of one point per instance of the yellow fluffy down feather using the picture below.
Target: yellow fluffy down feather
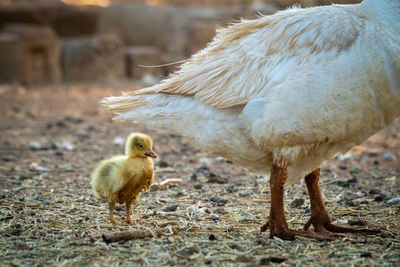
(120, 179)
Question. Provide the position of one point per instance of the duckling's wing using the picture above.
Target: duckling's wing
(249, 59)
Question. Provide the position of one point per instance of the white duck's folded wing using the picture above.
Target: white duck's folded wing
(248, 59)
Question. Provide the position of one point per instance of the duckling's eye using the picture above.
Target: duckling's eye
(140, 146)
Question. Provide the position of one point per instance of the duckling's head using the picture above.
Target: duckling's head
(139, 145)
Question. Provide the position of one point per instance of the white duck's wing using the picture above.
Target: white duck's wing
(247, 59)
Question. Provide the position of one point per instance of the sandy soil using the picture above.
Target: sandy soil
(52, 137)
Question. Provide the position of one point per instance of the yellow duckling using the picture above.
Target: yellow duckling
(120, 179)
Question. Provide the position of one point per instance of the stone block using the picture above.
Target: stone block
(137, 25)
(98, 57)
(67, 21)
(29, 54)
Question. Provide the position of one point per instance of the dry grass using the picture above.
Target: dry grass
(50, 217)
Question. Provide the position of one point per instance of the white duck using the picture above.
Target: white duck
(283, 93)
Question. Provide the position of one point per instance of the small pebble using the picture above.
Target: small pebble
(80, 199)
(218, 201)
(212, 237)
(36, 167)
(276, 259)
(228, 188)
(245, 215)
(220, 159)
(205, 161)
(198, 186)
(75, 120)
(307, 210)
(33, 145)
(9, 157)
(220, 211)
(372, 154)
(214, 217)
(35, 197)
(119, 141)
(394, 200)
(66, 145)
(357, 223)
(298, 202)
(163, 164)
(170, 208)
(374, 191)
(193, 178)
(213, 178)
(354, 171)
(46, 202)
(366, 255)
(61, 124)
(379, 198)
(187, 252)
(352, 181)
(343, 183)
(389, 157)
(262, 241)
(343, 167)
(179, 194)
(345, 156)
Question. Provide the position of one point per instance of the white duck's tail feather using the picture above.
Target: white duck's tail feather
(219, 131)
(171, 113)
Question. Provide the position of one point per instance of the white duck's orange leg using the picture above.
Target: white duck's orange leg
(111, 207)
(128, 219)
(320, 218)
(277, 222)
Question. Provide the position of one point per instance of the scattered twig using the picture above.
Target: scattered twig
(129, 235)
(157, 186)
(171, 180)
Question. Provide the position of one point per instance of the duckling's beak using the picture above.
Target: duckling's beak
(150, 153)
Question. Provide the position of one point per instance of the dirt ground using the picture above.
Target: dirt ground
(51, 138)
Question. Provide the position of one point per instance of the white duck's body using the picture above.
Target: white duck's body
(294, 88)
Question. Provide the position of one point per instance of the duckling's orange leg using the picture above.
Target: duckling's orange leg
(128, 219)
(111, 207)
(320, 218)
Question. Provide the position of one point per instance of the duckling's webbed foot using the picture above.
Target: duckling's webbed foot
(320, 218)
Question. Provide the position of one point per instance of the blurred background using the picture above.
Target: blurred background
(57, 41)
